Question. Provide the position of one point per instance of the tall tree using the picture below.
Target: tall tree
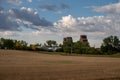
(67, 45)
(51, 42)
(23, 44)
(17, 44)
(111, 44)
(81, 47)
(8, 43)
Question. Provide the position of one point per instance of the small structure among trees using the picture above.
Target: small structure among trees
(76, 47)
(67, 39)
(67, 44)
(83, 38)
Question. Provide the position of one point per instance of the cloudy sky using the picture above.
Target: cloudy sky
(36, 21)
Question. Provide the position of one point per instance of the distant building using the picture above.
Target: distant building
(83, 38)
(67, 39)
(67, 43)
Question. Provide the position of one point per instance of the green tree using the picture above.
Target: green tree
(13, 44)
(80, 47)
(67, 46)
(23, 44)
(110, 44)
(17, 44)
(2, 42)
(8, 43)
(51, 42)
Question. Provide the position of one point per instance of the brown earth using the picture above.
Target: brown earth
(25, 65)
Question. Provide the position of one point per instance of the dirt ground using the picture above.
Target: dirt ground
(26, 65)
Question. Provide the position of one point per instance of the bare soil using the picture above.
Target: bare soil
(26, 65)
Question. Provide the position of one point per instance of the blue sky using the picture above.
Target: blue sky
(36, 21)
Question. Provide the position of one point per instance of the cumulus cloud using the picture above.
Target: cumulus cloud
(43, 31)
(66, 24)
(6, 22)
(27, 17)
(30, 15)
(97, 26)
(89, 24)
(113, 13)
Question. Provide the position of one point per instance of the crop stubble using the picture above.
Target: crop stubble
(26, 65)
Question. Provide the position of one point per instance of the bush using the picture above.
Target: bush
(59, 50)
(111, 45)
(67, 49)
(94, 51)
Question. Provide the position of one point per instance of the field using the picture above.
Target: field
(26, 65)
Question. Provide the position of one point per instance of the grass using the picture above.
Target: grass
(117, 55)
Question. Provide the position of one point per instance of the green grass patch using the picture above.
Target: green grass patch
(117, 55)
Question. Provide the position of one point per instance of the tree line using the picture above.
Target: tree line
(23, 45)
(110, 45)
(13, 44)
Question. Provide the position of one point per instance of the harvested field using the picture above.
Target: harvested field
(25, 65)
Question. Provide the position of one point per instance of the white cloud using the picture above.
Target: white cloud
(36, 33)
(110, 9)
(66, 23)
(13, 19)
(7, 33)
(41, 32)
(113, 15)
(15, 2)
(88, 24)
(30, 1)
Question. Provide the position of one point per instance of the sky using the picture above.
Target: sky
(37, 21)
